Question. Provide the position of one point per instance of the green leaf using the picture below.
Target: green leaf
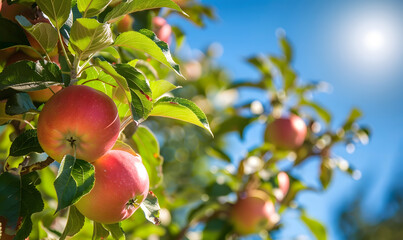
(321, 111)
(151, 208)
(30, 76)
(25, 143)
(75, 178)
(141, 103)
(15, 35)
(58, 11)
(181, 109)
(75, 222)
(99, 232)
(31, 202)
(216, 229)
(43, 32)
(317, 228)
(115, 230)
(107, 68)
(286, 48)
(10, 198)
(326, 172)
(130, 6)
(19, 103)
(146, 41)
(354, 115)
(88, 36)
(148, 148)
(91, 8)
(160, 87)
(261, 64)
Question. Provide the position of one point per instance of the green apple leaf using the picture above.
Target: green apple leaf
(10, 197)
(31, 202)
(88, 36)
(321, 111)
(130, 6)
(15, 35)
(91, 8)
(146, 41)
(75, 222)
(286, 48)
(99, 231)
(160, 87)
(354, 115)
(216, 229)
(147, 146)
(107, 68)
(58, 11)
(317, 228)
(116, 230)
(141, 101)
(326, 172)
(43, 32)
(19, 103)
(30, 76)
(181, 109)
(75, 178)
(25, 143)
(151, 208)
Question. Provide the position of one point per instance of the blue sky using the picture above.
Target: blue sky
(353, 45)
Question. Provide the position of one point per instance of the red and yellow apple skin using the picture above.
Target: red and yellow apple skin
(162, 29)
(286, 133)
(121, 185)
(125, 24)
(253, 213)
(283, 182)
(45, 94)
(78, 117)
(10, 11)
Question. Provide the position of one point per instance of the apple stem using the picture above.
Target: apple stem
(64, 50)
(126, 122)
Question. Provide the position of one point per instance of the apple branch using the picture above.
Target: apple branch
(36, 166)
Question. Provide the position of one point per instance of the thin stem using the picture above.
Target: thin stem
(126, 122)
(37, 166)
(64, 50)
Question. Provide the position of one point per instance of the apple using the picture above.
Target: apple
(253, 212)
(283, 186)
(45, 94)
(125, 24)
(286, 133)
(78, 118)
(162, 29)
(10, 11)
(121, 185)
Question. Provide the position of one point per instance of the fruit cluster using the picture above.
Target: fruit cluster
(89, 133)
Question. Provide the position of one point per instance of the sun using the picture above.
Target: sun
(374, 40)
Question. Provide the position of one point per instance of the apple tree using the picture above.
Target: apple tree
(100, 117)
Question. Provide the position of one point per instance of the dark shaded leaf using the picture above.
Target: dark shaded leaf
(25, 143)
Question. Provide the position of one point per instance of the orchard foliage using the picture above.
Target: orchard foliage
(116, 47)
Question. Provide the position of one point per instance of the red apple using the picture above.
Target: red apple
(45, 94)
(162, 29)
(12, 10)
(125, 24)
(253, 212)
(78, 116)
(286, 133)
(121, 185)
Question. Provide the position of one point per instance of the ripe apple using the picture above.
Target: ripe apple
(78, 117)
(162, 29)
(121, 185)
(286, 133)
(283, 186)
(12, 10)
(253, 212)
(45, 94)
(125, 24)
